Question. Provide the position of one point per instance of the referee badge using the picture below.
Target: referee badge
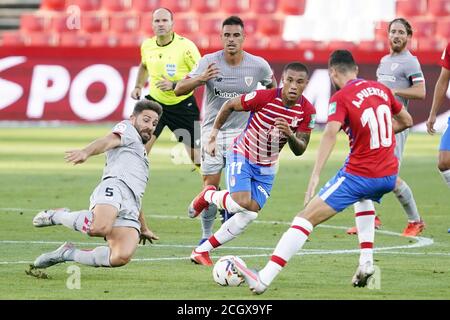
(171, 69)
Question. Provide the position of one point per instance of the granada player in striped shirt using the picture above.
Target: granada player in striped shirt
(277, 116)
(364, 110)
(440, 91)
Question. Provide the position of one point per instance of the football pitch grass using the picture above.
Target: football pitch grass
(34, 177)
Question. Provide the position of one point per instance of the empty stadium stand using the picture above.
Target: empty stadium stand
(285, 24)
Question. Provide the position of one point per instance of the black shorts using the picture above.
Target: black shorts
(183, 119)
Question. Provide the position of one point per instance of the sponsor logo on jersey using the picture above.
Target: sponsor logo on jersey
(227, 95)
(232, 181)
(332, 108)
(385, 78)
(312, 123)
(171, 69)
(248, 81)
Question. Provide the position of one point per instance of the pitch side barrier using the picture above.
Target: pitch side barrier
(94, 84)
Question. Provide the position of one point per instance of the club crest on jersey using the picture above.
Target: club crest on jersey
(232, 181)
(120, 128)
(171, 69)
(294, 122)
(248, 81)
(394, 66)
(332, 108)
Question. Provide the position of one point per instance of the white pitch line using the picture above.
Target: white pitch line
(421, 242)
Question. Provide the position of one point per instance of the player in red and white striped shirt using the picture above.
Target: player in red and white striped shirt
(278, 116)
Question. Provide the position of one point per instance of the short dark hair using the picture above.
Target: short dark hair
(164, 8)
(342, 60)
(142, 105)
(296, 66)
(233, 21)
(405, 23)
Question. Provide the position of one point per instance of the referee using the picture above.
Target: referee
(165, 59)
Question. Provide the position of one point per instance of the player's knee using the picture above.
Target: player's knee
(99, 231)
(443, 166)
(119, 259)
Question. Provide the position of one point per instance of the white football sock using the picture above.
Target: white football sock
(446, 176)
(208, 216)
(229, 230)
(98, 257)
(291, 241)
(76, 220)
(365, 224)
(405, 196)
(222, 199)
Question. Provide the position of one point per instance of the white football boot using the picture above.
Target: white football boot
(51, 258)
(363, 274)
(44, 218)
(251, 277)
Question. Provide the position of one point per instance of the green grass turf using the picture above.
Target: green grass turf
(34, 177)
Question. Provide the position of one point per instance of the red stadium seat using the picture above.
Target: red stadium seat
(338, 44)
(55, 5)
(116, 5)
(263, 6)
(372, 45)
(268, 25)
(381, 30)
(30, 22)
(73, 40)
(92, 22)
(235, 6)
(103, 40)
(215, 42)
(41, 39)
(12, 39)
(256, 42)
(123, 23)
(443, 29)
(423, 27)
(61, 23)
(145, 23)
(131, 40)
(200, 40)
(206, 6)
(439, 8)
(427, 44)
(86, 5)
(250, 24)
(292, 7)
(177, 5)
(277, 42)
(211, 26)
(410, 8)
(144, 6)
(186, 24)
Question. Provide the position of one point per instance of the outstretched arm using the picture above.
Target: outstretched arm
(231, 105)
(98, 146)
(326, 146)
(438, 98)
(189, 84)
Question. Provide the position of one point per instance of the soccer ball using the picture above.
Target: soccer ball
(224, 272)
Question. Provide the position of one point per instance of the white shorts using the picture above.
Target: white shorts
(116, 193)
(213, 165)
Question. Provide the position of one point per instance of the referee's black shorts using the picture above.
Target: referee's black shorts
(182, 119)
